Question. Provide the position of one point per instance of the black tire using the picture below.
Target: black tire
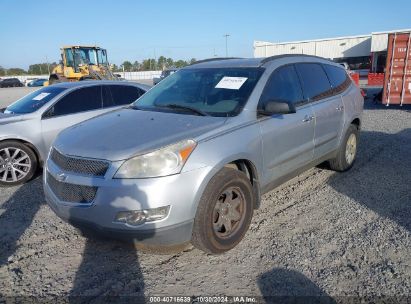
(27, 165)
(340, 162)
(204, 236)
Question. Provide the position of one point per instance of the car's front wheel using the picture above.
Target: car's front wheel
(224, 212)
(18, 163)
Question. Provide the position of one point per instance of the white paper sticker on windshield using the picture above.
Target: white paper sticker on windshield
(41, 96)
(232, 83)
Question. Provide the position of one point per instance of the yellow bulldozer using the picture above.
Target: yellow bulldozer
(81, 63)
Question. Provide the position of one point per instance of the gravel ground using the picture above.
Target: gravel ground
(8, 95)
(321, 234)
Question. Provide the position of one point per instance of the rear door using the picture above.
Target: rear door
(327, 107)
(72, 108)
(287, 139)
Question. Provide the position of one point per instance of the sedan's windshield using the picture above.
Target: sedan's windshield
(213, 91)
(34, 101)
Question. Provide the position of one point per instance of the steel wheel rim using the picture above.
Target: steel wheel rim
(15, 164)
(229, 212)
(351, 149)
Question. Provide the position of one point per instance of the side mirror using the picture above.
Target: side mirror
(277, 107)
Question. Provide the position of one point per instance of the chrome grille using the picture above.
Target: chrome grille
(79, 165)
(71, 192)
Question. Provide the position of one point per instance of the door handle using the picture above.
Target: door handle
(339, 108)
(308, 118)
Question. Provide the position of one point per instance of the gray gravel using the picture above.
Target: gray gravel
(322, 233)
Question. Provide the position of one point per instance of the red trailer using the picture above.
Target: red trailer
(397, 81)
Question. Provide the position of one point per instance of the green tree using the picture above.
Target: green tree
(148, 64)
(136, 66)
(2, 71)
(114, 67)
(170, 62)
(180, 63)
(16, 71)
(193, 60)
(41, 68)
(127, 66)
(161, 62)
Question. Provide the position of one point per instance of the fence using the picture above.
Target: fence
(127, 75)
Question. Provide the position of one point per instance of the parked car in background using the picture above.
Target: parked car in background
(28, 80)
(11, 82)
(191, 158)
(164, 74)
(37, 83)
(29, 125)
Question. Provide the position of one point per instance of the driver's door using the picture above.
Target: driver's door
(287, 139)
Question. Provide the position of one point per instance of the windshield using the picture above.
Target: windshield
(85, 56)
(214, 91)
(33, 101)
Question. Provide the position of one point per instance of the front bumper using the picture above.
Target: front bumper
(181, 191)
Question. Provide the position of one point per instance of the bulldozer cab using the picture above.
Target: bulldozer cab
(78, 56)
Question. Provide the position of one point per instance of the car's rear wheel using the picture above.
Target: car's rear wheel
(347, 152)
(224, 212)
(18, 163)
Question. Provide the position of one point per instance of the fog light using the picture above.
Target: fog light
(139, 217)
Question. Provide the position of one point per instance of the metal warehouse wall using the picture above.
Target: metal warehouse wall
(355, 46)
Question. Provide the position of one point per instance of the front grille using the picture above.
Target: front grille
(79, 165)
(71, 192)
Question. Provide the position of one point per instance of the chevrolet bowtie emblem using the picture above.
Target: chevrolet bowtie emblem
(61, 177)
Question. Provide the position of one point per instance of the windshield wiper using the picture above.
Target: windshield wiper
(177, 106)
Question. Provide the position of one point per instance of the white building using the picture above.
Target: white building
(366, 52)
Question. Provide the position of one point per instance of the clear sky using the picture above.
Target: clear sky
(31, 31)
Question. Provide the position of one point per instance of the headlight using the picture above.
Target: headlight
(162, 162)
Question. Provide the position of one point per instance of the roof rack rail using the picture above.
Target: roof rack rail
(268, 59)
(214, 59)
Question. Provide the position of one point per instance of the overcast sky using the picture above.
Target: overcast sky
(31, 31)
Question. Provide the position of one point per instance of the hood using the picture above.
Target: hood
(127, 132)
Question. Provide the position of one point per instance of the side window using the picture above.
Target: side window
(81, 100)
(314, 81)
(283, 84)
(124, 95)
(338, 78)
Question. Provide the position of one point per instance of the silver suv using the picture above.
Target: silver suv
(191, 158)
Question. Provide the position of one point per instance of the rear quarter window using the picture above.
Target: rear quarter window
(314, 81)
(338, 78)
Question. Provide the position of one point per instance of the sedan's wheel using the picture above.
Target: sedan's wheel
(17, 163)
(224, 212)
(347, 152)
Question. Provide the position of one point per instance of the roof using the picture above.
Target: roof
(224, 62)
(391, 32)
(263, 43)
(80, 46)
(247, 62)
(85, 83)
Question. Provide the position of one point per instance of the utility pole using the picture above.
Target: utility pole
(48, 65)
(226, 44)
